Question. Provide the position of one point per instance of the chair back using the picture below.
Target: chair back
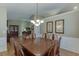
(24, 35)
(28, 37)
(52, 36)
(12, 39)
(51, 51)
(18, 49)
(48, 35)
(33, 35)
(57, 42)
(54, 50)
(16, 46)
(58, 38)
(44, 36)
(12, 43)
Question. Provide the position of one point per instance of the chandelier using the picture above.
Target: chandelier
(36, 20)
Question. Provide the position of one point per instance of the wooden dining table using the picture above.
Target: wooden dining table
(38, 46)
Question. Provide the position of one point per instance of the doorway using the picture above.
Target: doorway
(13, 30)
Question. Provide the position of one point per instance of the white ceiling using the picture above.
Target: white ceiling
(20, 11)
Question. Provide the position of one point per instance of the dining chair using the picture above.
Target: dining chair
(18, 49)
(12, 44)
(52, 36)
(58, 42)
(58, 38)
(28, 37)
(48, 35)
(33, 35)
(24, 35)
(44, 36)
(50, 51)
(54, 50)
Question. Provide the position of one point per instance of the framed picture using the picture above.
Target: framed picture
(49, 27)
(59, 26)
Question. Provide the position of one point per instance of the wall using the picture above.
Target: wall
(71, 44)
(3, 29)
(71, 20)
(70, 38)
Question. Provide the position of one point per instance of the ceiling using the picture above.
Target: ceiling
(18, 11)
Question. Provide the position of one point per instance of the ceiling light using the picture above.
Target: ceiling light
(37, 24)
(75, 8)
(42, 21)
(37, 21)
(24, 29)
(32, 22)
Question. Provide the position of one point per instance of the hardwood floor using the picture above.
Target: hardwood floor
(10, 52)
(64, 52)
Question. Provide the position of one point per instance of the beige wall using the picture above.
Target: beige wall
(3, 19)
(3, 29)
(71, 23)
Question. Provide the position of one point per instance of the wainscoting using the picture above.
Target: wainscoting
(70, 44)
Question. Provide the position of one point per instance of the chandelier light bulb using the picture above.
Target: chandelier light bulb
(32, 21)
(37, 20)
(24, 29)
(42, 21)
(37, 24)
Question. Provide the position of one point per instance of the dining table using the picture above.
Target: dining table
(38, 46)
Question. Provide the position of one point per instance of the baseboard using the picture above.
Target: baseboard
(4, 53)
(69, 51)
